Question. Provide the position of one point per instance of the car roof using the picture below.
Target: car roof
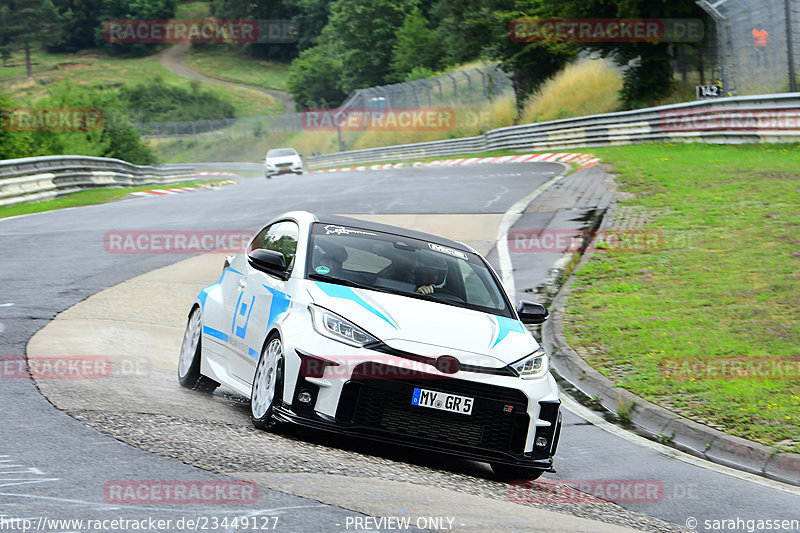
(386, 228)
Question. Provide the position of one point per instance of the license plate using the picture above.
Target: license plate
(442, 401)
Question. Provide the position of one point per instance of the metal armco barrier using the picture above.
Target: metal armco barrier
(744, 119)
(42, 178)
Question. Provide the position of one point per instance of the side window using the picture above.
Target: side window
(477, 293)
(281, 237)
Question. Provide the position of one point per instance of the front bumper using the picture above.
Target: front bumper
(499, 430)
(273, 171)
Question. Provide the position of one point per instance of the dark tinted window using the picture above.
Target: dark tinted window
(404, 265)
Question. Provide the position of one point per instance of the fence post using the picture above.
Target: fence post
(483, 82)
(469, 86)
(455, 86)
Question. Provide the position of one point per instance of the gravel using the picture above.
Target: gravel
(237, 448)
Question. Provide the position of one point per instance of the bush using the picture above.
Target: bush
(116, 138)
(155, 101)
(13, 144)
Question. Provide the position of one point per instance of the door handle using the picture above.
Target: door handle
(242, 284)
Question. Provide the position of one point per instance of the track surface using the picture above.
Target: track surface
(55, 260)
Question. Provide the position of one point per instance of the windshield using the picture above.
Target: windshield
(404, 265)
(281, 152)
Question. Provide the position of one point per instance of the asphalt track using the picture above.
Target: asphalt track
(52, 463)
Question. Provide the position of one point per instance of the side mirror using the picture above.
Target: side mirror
(531, 313)
(268, 261)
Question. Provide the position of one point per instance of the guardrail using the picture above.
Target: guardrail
(763, 118)
(43, 178)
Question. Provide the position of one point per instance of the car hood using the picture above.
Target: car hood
(428, 328)
(283, 159)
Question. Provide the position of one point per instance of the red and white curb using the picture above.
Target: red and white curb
(179, 190)
(585, 160)
(370, 167)
(228, 174)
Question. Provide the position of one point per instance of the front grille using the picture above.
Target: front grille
(433, 427)
(499, 419)
(279, 165)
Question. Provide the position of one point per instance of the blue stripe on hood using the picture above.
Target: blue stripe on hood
(507, 325)
(346, 293)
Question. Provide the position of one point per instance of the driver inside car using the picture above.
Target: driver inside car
(428, 277)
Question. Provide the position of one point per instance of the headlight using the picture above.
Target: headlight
(337, 328)
(532, 366)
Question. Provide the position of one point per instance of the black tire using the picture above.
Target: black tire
(511, 473)
(267, 176)
(189, 375)
(269, 374)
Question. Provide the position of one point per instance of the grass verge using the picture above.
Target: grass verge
(89, 197)
(708, 323)
(228, 64)
(92, 66)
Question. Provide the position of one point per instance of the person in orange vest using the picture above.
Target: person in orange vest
(760, 46)
(760, 38)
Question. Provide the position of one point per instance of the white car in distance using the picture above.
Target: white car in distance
(282, 161)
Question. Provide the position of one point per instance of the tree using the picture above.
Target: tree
(138, 10)
(80, 20)
(314, 78)
(529, 63)
(649, 76)
(417, 46)
(24, 23)
(272, 10)
(310, 17)
(362, 34)
(465, 27)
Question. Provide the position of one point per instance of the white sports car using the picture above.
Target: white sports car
(381, 332)
(282, 161)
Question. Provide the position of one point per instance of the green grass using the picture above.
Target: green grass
(92, 66)
(725, 285)
(192, 10)
(89, 197)
(229, 64)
